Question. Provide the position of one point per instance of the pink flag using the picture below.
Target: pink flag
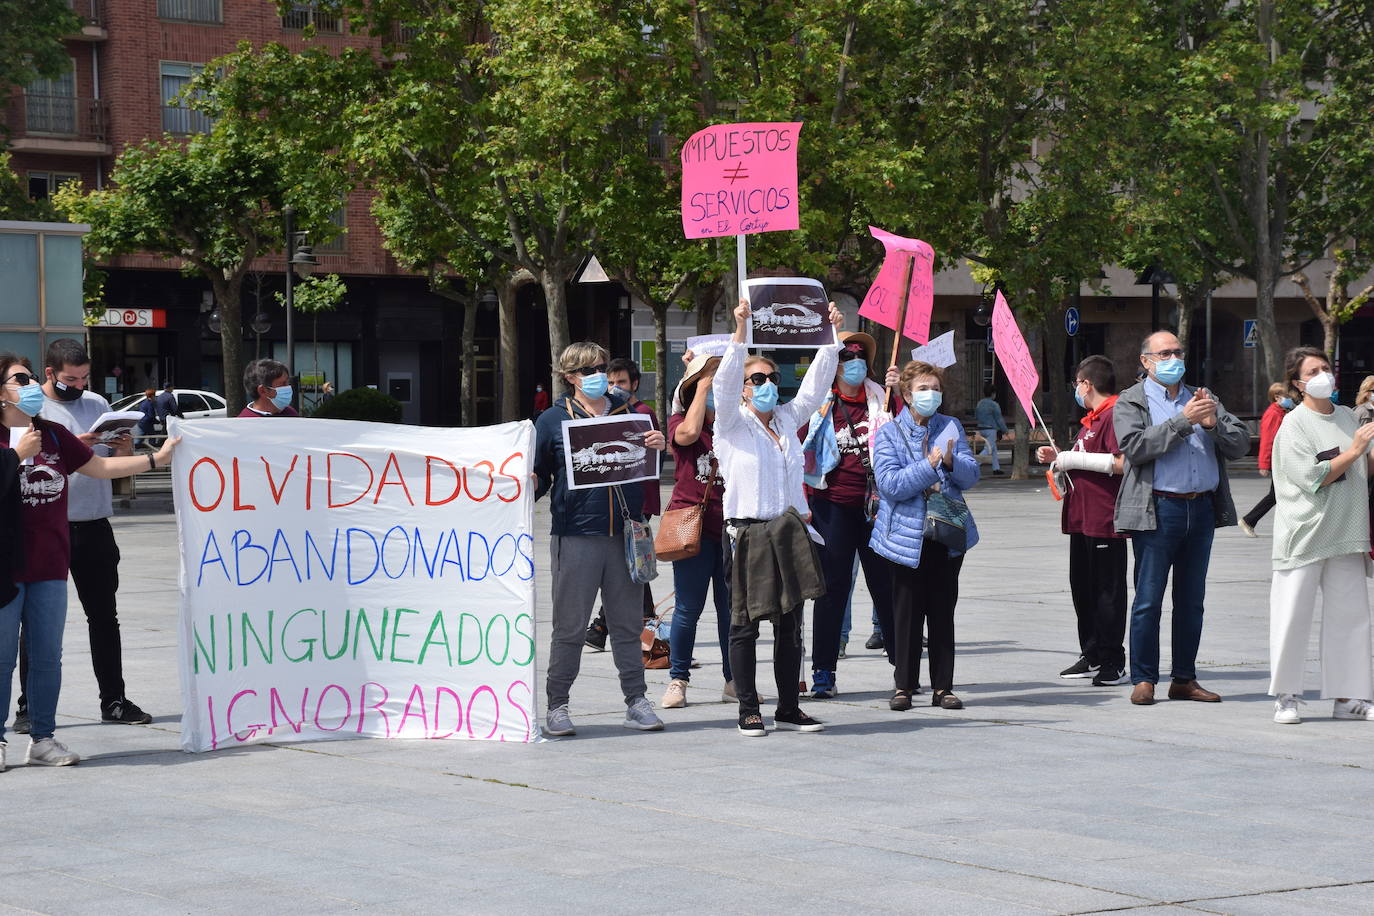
(1014, 355)
(885, 295)
(738, 179)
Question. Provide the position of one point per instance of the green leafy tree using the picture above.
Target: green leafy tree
(31, 33)
(213, 203)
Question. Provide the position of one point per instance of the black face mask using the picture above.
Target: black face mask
(67, 392)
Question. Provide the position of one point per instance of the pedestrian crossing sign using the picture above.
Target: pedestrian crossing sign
(1251, 333)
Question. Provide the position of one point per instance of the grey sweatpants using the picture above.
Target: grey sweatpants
(583, 565)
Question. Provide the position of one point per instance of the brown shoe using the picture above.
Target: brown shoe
(1143, 694)
(1192, 691)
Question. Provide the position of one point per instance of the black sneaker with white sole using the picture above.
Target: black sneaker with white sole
(751, 726)
(1080, 669)
(21, 721)
(1111, 676)
(798, 720)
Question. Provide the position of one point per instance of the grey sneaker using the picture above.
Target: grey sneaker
(640, 714)
(3, 747)
(49, 752)
(558, 723)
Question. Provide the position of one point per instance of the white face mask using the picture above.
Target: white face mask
(1321, 385)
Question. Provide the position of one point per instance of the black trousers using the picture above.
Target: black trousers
(846, 533)
(95, 571)
(1097, 581)
(1252, 518)
(924, 595)
(787, 659)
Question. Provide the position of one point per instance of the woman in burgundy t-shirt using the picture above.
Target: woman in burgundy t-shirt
(696, 478)
(49, 454)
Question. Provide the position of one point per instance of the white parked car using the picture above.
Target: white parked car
(193, 403)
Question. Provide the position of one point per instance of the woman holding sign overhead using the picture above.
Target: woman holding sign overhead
(587, 547)
(774, 567)
(38, 598)
(923, 464)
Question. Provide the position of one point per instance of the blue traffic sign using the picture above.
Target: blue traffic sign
(1071, 319)
(1251, 334)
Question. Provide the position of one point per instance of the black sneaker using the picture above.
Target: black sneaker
(1079, 669)
(1110, 676)
(596, 635)
(751, 726)
(21, 721)
(124, 712)
(875, 641)
(798, 720)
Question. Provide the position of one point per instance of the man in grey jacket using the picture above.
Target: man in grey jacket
(1173, 496)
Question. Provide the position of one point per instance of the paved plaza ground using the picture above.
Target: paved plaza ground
(1041, 796)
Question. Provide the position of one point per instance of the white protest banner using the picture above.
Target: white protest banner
(605, 451)
(708, 344)
(939, 352)
(343, 579)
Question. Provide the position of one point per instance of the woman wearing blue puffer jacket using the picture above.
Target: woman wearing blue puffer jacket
(920, 452)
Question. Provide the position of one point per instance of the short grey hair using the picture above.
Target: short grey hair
(261, 372)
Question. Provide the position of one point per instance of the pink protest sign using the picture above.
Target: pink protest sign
(739, 179)
(884, 298)
(1014, 355)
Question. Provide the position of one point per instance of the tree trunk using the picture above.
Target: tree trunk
(469, 383)
(553, 282)
(1021, 448)
(231, 339)
(661, 392)
(509, 358)
(704, 299)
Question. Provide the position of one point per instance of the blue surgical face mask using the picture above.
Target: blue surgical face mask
(30, 399)
(1286, 403)
(926, 403)
(618, 391)
(765, 396)
(1078, 396)
(1169, 371)
(854, 371)
(595, 385)
(1335, 397)
(282, 398)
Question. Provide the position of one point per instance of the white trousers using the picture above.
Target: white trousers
(1344, 636)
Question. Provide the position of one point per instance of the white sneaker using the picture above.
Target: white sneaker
(675, 697)
(1286, 709)
(1353, 709)
(4, 746)
(49, 752)
(640, 715)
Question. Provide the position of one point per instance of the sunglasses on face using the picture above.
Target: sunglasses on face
(847, 355)
(591, 370)
(1166, 354)
(758, 378)
(23, 378)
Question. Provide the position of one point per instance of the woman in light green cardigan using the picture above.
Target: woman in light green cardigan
(1321, 466)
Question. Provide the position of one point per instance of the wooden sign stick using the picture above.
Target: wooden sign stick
(901, 308)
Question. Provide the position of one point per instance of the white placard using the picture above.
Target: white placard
(939, 352)
(605, 451)
(342, 579)
(709, 344)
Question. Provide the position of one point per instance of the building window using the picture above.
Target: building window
(336, 245)
(50, 105)
(657, 141)
(42, 185)
(176, 117)
(190, 10)
(303, 15)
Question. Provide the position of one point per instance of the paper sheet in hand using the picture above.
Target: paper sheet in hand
(939, 352)
(708, 344)
(112, 423)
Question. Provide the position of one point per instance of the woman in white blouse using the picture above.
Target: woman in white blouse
(760, 458)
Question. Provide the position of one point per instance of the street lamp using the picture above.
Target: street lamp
(982, 315)
(261, 325)
(1156, 277)
(300, 260)
(489, 300)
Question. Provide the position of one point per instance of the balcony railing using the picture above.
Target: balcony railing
(178, 120)
(61, 116)
(302, 15)
(90, 12)
(190, 10)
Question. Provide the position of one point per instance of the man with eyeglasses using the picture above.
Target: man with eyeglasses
(1174, 494)
(94, 554)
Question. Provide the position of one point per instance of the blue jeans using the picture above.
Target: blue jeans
(691, 578)
(42, 608)
(1182, 539)
(991, 436)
